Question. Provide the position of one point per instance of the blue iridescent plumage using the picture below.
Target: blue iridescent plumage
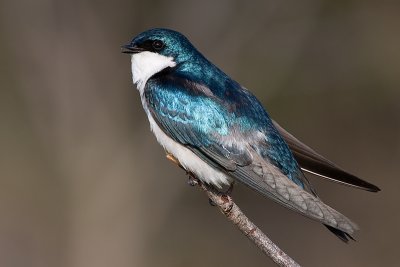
(200, 112)
(207, 107)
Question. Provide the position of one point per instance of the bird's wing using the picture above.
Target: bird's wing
(204, 126)
(311, 162)
(269, 180)
(197, 121)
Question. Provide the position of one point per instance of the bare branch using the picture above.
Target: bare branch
(233, 213)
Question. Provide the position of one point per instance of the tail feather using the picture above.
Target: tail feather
(345, 237)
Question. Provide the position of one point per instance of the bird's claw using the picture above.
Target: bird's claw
(192, 181)
(211, 202)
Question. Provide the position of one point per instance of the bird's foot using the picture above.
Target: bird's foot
(211, 202)
(192, 181)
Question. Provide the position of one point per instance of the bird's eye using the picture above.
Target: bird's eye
(158, 45)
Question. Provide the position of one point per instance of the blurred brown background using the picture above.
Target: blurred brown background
(84, 183)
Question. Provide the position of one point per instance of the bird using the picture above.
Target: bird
(221, 133)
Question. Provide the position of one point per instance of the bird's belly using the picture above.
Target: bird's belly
(188, 159)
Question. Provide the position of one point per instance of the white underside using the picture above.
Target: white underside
(145, 65)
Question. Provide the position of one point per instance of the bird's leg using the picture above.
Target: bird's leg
(211, 202)
(192, 180)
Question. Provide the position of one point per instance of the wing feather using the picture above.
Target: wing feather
(269, 180)
(311, 162)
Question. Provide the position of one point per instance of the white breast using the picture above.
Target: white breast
(145, 65)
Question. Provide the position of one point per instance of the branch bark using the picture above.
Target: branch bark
(234, 214)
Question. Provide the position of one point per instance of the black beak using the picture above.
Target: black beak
(129, 49)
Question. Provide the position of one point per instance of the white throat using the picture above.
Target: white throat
(146, 64)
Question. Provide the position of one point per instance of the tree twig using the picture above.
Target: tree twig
(233, 213)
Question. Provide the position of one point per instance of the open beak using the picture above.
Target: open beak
(129, 49)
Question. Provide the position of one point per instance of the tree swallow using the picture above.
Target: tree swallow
(220, 132)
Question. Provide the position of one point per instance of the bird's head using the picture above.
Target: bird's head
(164, 42)
(156, 49)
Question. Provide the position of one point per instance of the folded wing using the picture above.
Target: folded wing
(311, 162)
